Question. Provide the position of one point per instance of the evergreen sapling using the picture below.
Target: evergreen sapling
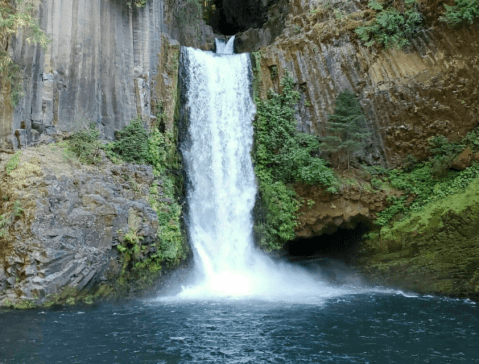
(346, 127)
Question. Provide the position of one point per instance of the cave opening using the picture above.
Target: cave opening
(229, 17)
(341, 245)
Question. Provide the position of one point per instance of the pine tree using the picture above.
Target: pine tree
(346, 127)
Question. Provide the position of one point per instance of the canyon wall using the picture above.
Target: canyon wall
(408, 95)
(101, 66)
(426, 89)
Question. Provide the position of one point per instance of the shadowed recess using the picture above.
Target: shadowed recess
(232, 16)
(341, 245)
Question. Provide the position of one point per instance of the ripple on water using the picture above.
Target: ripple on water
(374, 327)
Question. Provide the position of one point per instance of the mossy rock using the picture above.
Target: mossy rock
(435, 250)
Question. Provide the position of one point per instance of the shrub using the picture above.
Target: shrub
(85, 144)
(12, 164)
(158, 149)
(136, 3)
(131, 143)
(443, 153)
(463, 11)
(432, 180)
(391, 27)
(7, 219)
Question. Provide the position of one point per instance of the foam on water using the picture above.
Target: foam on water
(222, 188)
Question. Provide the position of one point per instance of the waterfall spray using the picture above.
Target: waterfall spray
(221, 186)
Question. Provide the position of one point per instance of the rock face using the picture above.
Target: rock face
(101, 66)
(324, 213)
(433, 251)
(70, 221)
(407, 95)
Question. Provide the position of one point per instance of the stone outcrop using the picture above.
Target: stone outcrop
(323, 212)
(432, 251)
(101, 66)
(71, 218)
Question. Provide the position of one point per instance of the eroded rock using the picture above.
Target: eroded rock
(73, 217)
(324, 213)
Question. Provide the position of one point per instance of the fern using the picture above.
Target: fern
(391, 27)
(463, 11)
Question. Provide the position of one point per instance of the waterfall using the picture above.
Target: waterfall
(221, 185)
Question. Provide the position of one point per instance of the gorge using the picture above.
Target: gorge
(172, 198)
(110, 63)
(242, 306)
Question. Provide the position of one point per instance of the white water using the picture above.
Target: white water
(222, 189)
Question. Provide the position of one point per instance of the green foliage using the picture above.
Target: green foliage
(281, 205)
(282, 155)
(346, 127)
(13, 18)
(463, 11)
(159, 149)
(171, 237)
(85, 144)
(391, 27)
(424, 184)
(131, 144)
(443, 153)
(163, 152)
(136, 3)
(12, 164)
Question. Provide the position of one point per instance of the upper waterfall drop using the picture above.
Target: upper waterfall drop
(221, 186)
(223, 47)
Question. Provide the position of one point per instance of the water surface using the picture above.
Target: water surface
(359, 328)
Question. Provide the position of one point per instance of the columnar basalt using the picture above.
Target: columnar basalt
(101, 66)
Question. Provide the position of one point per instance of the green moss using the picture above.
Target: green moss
(435, 250)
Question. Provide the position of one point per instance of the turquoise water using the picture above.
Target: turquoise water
(363, 328)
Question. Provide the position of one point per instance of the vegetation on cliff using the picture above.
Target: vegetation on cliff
(391, 27)
(346, 128)
(282, 155)
(429, 181)
(393, 23)
(134, 144)
(462, 12)
(13, 17)
(432, 250)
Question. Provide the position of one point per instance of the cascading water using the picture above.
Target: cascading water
(222, 189)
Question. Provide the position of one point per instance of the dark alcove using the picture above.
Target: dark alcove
(229, 17)
(341, 245)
